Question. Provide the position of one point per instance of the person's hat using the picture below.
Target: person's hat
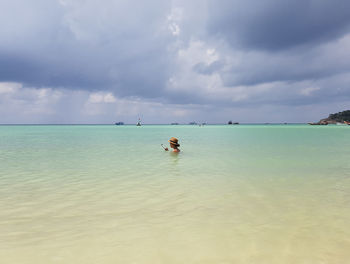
(174, 141)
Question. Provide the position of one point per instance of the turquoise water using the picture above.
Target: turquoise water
(235, 194)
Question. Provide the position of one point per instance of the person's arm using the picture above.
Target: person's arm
(166, 149)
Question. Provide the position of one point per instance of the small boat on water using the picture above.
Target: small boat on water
(119, 123)
(319, 124)
(138, 122)
(232, 123)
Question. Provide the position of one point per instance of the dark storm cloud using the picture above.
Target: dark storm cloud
(85, 45)
(274, 25)
(17, 68)
(289, 66)
(288, 41)
(38, 72)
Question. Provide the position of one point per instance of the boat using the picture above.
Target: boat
(174, 124)
(232, 123)
(119, 123)
(138, 122)
(323, 123)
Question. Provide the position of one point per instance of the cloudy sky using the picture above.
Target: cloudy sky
(89, 61)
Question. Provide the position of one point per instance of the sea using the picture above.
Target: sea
(261, 194)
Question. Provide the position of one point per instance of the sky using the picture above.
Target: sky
(89, 61)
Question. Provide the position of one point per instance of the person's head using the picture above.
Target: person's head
(174, 143)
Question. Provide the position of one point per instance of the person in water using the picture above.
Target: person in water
(173, 144)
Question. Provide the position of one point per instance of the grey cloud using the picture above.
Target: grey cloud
(205, 69)
(327, 90)
(283, 68)
(275, 25)
(119, 45)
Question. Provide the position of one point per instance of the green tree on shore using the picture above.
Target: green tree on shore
(340, 117)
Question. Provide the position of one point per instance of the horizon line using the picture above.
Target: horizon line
(132, 124)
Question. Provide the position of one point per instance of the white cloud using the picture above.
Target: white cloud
(101, 97)
(9, 87)
(197, 52)
(19, 104)
(174, 20)
(180, 112)
(309, 90)
(175, 29)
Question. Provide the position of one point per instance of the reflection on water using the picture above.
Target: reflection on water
(253, 194)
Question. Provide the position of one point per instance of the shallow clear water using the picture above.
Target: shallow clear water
(235, 194)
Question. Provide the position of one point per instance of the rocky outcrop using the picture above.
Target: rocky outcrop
(341, 117)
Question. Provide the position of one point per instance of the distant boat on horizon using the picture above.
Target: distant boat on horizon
(232, 123)
(138, 122)
(119, 123)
